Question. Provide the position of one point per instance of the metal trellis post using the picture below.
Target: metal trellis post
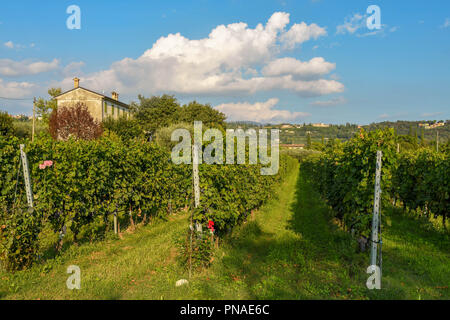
(376, 212)
(26, 175)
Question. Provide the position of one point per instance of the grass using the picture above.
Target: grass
(291, 249)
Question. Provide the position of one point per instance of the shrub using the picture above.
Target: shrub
(74, 121)
(6, 124)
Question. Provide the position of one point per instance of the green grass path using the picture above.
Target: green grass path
(290, 250)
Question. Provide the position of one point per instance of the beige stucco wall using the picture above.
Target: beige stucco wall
(92, 101)
(95, 104)
(119, 111)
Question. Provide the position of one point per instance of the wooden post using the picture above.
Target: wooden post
(115, 222)
(34, 119)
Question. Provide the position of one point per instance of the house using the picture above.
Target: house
(292, 146)
(320, 125)
(428, 126)
(99, 106)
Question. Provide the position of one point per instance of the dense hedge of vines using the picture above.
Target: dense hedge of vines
(90, 181)
(422, 184)
(345, 177)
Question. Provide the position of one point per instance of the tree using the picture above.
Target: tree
(422, 137)
(126, 129)
(45, 107)
(308, 141)
(195, 111)
(74, 121)
(6, 124)
(156, 112)
(416, 139)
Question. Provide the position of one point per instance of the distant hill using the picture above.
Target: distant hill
(296, 133)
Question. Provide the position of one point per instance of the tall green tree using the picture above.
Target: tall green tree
(308, 141)
(195, 111)
(422, 137)
(6, 124)
(156, 112)
(416, 139)
(45, 107)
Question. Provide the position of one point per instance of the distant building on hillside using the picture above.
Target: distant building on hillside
(99, 106)
(320, 125)
(292, 146)
(428, 126)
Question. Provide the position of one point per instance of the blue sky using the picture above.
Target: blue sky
(315, 61)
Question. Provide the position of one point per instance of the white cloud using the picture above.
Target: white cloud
(352, 24)
(13, 68)
(12, 45)
(328, 103)
(263, 112)
(384, 116)
(15, 89)
(313, 68)
(446, 23)
(226, 62)
(301, 32)
(358, 22)
(393, 29)
(431, 114)
(73, 68)
(9, 44)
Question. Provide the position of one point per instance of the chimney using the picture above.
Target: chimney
(115, 95)
(76, 82)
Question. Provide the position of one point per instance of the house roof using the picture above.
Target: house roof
(99, 94)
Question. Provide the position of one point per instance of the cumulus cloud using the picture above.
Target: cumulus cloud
(263, 112)
(352, 24)
(9, 44)
(12, 45)
(328, 103)
(300, 33)
(11, 68)
(227, 62)
(73, 68)
(355, 24)
(15, 89)
(313, 68)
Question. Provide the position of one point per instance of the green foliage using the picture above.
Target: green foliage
(156, 112)
(6, 124)
(90, 180)
(162, 111)
(308, 141)
(45, 107)
(421, 181)
(19, 231)
(126, 129)
(196, 249)
(345, 177)
(195, 111)
(163, 135)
